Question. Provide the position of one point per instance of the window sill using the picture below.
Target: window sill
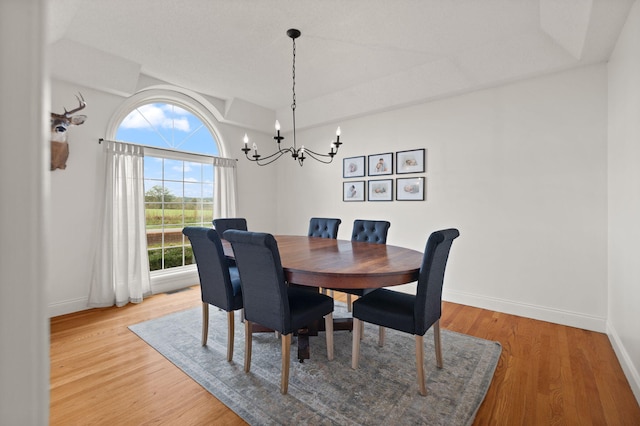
(174, 279)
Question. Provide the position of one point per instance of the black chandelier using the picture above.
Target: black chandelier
(296, 153)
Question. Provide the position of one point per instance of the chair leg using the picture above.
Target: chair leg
(286, 361)
(437, 343)
(205, 323)
(328, 326)
(420, 364)
(355, 348)
(381, 336)
(230, 334)
(247, 345)
(348, 302)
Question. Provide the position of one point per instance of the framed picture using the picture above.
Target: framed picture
(410, 161)
(353, 167)
(410, 189)
(381, 164)
(381, 190)
(353, 190)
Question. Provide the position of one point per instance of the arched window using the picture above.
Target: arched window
(179, 141)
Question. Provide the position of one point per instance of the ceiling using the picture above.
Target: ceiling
(354, 56)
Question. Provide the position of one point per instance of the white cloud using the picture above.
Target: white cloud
(172, 109)
(157, 116)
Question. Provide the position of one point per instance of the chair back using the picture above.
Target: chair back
(324, 227)
(222, 224)
(213, 270)
(370, 231)
(264, 290)
(428, 307)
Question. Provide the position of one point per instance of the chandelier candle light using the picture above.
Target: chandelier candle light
(296, 153)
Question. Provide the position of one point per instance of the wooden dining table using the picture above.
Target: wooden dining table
(341, 264)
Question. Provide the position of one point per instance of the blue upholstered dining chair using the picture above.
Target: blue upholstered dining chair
(369, 231)
(269, 301)
(413, 314)
(222, 224)
(324, 227)
(219, 283)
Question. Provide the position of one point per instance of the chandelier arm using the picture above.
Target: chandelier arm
(263, 162)
(316, 156)
(279, 153)
(306, 150)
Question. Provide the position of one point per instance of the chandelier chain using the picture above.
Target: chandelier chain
(293, 73)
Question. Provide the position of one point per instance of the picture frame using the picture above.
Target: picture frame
(410, 189)
(353, 167)
(380, 164)
(412, 161)
(353, 190)
(380, 190)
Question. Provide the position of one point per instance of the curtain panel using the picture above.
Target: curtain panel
(225, 201)
(121, 265)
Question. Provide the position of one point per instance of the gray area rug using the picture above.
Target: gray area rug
(382, 391)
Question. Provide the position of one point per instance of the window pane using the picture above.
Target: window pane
(207, 173)
(173, 191)
(153, 193)
(173, 170)
(173, 237)
(155, 259)
(192, 191)
(173, 215)
(173, 257)
(153, 217)
(188, 256)
(193, 217)
(152, 167)
(192, 172)
(207, 192)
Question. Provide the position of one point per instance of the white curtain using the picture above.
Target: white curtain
(225, 199)
(121, 265)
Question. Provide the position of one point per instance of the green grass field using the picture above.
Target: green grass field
(177, 217)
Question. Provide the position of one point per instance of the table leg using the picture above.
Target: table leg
(303, 344)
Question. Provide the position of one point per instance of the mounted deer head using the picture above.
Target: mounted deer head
(59, 125)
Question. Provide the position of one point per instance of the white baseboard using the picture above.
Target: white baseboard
(542, 313)
(630, 370)
(160, 283)
(68, 306)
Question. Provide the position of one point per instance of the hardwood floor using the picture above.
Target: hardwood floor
(101, 373)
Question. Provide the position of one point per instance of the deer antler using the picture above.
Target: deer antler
(82, 105)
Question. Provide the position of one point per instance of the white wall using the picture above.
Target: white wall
(520, 170)
(624, 199)
(24, 185)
